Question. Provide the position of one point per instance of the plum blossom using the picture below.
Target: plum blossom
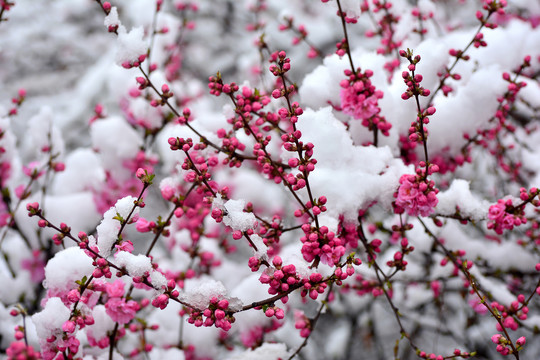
(121, 311)
(357, 104)
(416, 195)
(503, 215)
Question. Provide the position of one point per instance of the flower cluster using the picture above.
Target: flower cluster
(281, 190)
(504, 216)
(321, 244)
(416, 195)
(359, 99)
(281, 278)
(505, 347)
(216, 314)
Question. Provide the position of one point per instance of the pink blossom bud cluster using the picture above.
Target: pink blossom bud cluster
(363, 286)
(344, 16)
(197, 166)
(304, 163)
(504, 216)
(248, 103)
(18, 350)
(411, 80)
(359, 99)
(136, 63)
(216, 314)
(17, 101)
(348, 232)
(120, 310)
(430, 356)
(65, 339)
(349, 271)
(183, 5)
(5, 5)
(165, 95)
(459, 263)
(257, 8)
(179, 277)
(386, 27)
(302, 323)
(416, 195)
(492, 7)
(270, 233)
(503, 344)
(314, 285)
(342, 47)
(398, 260)
(417, 132)
(59, 237)
(115, 187)
(281, 278)
(230, 145)
(321, 243)
(517, 308)
(448, 163)
(421, 16)
(281, 64)
(300, 35)
(491, 138)
(272, 310)
(447, 74)
(216, 86)
(289, 24)
(99, 113)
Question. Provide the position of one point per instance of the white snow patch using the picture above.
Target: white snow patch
(49, 321)
(459, 194)
(66, 267)
(131, 45)
(266, 351)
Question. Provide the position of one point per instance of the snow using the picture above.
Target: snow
(107, 230)
(106, 139)
(67, 61)
(102, 323)
(234, 215)
(83, 171)
(350, 176)
(44, 134)
(49, 321)
(130, 45)
(66, 267)
(459, 195)
(166, 354)
(136, 265)
(125, 206)
(200, 292)
(77, 210)
(267, 351)
(112, 19)
(338, 339)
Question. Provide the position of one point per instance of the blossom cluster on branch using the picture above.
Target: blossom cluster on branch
(267, 179)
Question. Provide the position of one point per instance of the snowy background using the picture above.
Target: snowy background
(62, 54)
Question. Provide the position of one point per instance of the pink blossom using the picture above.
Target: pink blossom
(416, 195)
(121, 311)
(19, 350)
(126, 246)
(504, 216)
(358, 105)
(32, 170)
(35, 265)
(144, 225)
(115, 289)
(161, 301)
